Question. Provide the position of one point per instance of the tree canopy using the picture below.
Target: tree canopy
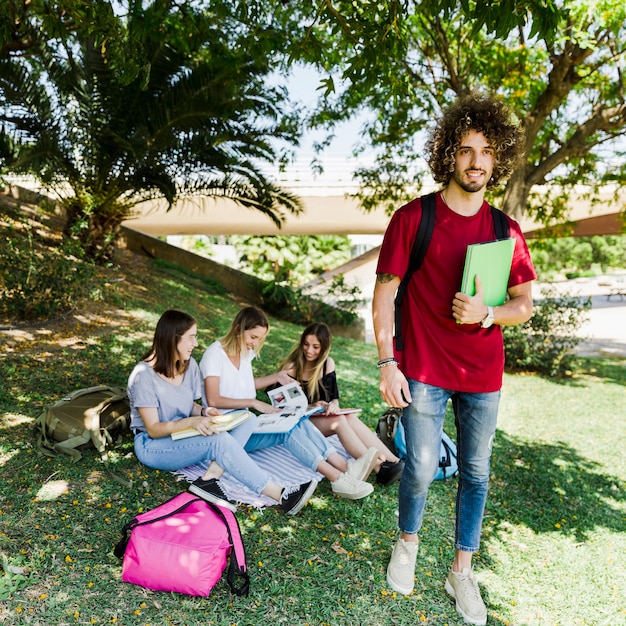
(114, 102)
(405, 61)
(162, 100)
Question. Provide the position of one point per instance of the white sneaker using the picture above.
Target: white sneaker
(349, 487)
(362, 467)
(463, 587)
(401, 568)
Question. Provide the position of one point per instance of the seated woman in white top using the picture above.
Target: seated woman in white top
(230, 383)
(163, 389)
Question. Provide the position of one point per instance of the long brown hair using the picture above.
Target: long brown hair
(250, 317)
(172, 325)
(298, 362)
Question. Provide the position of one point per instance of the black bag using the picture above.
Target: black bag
(387, 427)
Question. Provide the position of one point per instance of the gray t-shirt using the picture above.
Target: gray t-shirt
(146, 389)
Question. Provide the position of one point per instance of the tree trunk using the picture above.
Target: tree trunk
(516, 194)
(96, 231)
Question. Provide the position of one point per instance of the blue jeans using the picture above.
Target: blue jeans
(166, 454)
(475, 418)
(242, 432)
(305, 442)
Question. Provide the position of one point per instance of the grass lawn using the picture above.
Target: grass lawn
(554, 534)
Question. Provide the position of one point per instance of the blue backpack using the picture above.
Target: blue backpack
(390, 430)
(447, 453)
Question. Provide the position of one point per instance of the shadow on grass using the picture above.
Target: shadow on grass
(609, 370)
(551, 488)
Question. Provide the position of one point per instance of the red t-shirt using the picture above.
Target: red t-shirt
(437, 350)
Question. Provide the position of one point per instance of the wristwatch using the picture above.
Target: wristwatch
(488, 321)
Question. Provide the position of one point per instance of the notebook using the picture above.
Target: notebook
(491, 261)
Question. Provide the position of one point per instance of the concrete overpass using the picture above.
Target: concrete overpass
(327, 210)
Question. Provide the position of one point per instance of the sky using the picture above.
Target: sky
(336, 159)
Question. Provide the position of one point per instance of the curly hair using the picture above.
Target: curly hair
(483, 114)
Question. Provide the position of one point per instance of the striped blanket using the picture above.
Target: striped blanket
(277, 461)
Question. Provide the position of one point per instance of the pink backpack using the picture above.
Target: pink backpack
(183, 545)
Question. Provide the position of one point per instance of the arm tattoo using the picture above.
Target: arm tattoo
(385, 278)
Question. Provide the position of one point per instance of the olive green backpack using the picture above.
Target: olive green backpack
(95, 416)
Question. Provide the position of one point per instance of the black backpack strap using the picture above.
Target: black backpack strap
(500, 223)
(418, 252)
(237, 567)
(444, 460)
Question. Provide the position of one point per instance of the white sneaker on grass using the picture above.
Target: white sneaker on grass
(362, 467)
(349, 487)
(401, 568)
(463, 587)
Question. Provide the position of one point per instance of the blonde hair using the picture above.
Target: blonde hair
(250, 317)
(297, 361)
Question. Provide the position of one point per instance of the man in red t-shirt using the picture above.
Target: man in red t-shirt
(453, 347)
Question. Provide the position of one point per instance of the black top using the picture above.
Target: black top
(328, 389)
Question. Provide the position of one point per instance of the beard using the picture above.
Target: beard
(471, 186)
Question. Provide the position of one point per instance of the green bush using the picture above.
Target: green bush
(281, 299)
(40, 282)
(546, 342)
(298, 258)
(290, 303)
(578, 256)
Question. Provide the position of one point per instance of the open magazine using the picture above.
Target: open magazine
(292, 396)
(223, 422)
(292, 399)
(284, 421)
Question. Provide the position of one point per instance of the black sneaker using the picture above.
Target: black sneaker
(295, 497)
(389, 472)
(210, 490)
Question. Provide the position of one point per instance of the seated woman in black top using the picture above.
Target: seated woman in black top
(310, 364)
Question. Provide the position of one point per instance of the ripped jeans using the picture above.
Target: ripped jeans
(475, 417)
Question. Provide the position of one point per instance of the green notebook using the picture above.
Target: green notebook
(491, 261)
